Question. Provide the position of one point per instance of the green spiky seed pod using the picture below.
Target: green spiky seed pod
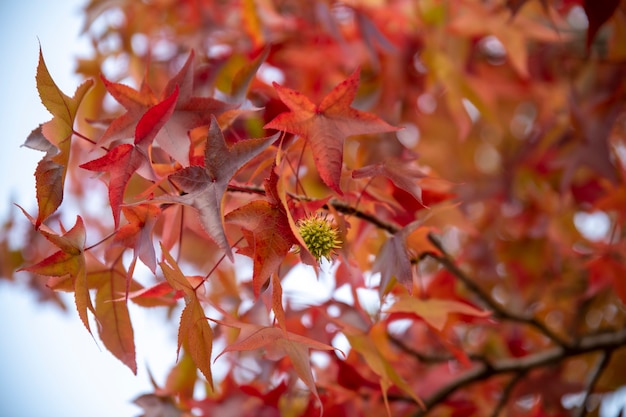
(320, 236)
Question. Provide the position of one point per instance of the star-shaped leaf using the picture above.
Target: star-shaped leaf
(124, 160)
(266, 229)
(204, 187)
(189, 112)
(325, 126)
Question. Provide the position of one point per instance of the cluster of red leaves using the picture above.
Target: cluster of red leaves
(250, 116)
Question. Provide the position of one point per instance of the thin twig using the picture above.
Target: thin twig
(506, 393)
(603, 361)
(426, 358)
(345, 208)
(338, 205)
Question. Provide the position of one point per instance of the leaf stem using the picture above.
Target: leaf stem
(594, 376)
(80, 135)
(104, 239)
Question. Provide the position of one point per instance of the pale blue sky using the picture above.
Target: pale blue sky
(49, 365)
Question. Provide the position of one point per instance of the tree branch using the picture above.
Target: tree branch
(506, 393)
(587, 344)
(426, 358)
(486, 299)
(593, 380)
(338, 205)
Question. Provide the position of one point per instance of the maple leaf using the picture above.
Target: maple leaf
(204, 187)
(69, 260)
(433, 311)
(266, 229)
(124, 160)
(278, 343)
(51, 170)
(194, 332)
(325, 126)
(189, 112)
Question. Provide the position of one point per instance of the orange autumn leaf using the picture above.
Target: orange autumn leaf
(194, 332)
(51, 170)
(435, 312)
(265, 227)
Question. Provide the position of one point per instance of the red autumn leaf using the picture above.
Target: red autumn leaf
(156, 295)
(269, 237)
(69, 260)
(204, 187)
(124, 160)
(277, 343)
(189, 112)
(51, 170)
(121, 162)
(349, 377)
(433, 311)
(607, 270)
(137, 234)
(325, 126)
(266, 230)
(135, 102)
